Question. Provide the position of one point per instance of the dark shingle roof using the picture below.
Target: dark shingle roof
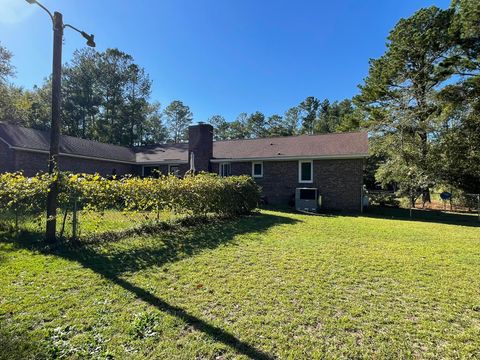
(26, 138)
(341, 144)
(308, 146)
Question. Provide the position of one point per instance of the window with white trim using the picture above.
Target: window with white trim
(257, 169)
(150, 171)
(305, 171)
(174, 170)
(224, 169)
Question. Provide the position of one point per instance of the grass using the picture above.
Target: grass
(271, 285)
(89, 222)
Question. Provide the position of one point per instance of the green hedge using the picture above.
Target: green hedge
(194, 194)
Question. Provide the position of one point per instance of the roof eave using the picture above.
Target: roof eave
(293, 158)
(161, 162)
(17, 148)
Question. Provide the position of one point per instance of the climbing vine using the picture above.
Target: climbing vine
(195, 194)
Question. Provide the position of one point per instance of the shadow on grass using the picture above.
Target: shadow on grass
(424, 215)
(19, 345)
(172, 245)
(391, 213)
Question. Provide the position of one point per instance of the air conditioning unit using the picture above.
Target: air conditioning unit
(307, 199)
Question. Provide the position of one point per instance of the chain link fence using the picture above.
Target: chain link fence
(81, 222)
(440, 201)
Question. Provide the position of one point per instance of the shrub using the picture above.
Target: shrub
(193, 194)
(22, 194)
(383, 198)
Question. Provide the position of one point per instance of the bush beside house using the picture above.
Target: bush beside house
(193, 194)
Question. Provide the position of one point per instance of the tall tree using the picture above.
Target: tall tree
(7, 92)
(398, 95)
(239, 128)
(458, 139)
(292, 119)
(309, 108)
(257, 125)
(106, 97)
(220, 127)
(38, 107)
(276, 126)
(337, 117)
(6, 68)
(136, 107)
(178, 118)
(153, 130)
(82, 96)
(351, 118)
(113, 70)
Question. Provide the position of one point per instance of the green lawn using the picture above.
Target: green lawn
(272, 285)
(89, 223)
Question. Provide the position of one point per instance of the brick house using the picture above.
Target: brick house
(332, 163)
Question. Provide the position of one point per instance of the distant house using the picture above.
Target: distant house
(332, 163)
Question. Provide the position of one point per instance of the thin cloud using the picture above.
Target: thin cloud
(14, 11)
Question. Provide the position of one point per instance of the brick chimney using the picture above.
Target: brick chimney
(200, 142)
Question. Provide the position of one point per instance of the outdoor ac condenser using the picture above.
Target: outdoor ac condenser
(306, 199)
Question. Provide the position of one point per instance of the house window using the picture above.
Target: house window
(305, 171)
(151, 171)
(257, 169)
(174, 170)
(224, 169)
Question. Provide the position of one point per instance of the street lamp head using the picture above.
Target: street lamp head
(31, 1)
(90, 39)
(91, 42)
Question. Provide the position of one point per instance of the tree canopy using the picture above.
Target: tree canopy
(420, 103)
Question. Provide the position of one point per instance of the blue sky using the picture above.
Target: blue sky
(219, 56)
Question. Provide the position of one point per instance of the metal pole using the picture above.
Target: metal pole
(411, 202)
(478, 206)
(52, 198)
(361, 200)
(74, 220)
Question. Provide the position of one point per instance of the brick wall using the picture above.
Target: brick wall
(104, 168)
(338, 181)
(32, 163)
(200, 142)
(5, 158)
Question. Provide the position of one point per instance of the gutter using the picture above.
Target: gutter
(166, 162)
(213, 160)
(73, 155)
(293, 158)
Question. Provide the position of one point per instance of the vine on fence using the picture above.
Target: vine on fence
(194, 194)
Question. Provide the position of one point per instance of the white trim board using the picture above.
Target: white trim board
(300, 162)
(253, 169)
(6, 143)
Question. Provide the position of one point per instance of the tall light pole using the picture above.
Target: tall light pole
(52, 198)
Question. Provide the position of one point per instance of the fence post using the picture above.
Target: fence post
(361, 199)
(411, 203)
(478, 206)
(16, 218)
(74, 220)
